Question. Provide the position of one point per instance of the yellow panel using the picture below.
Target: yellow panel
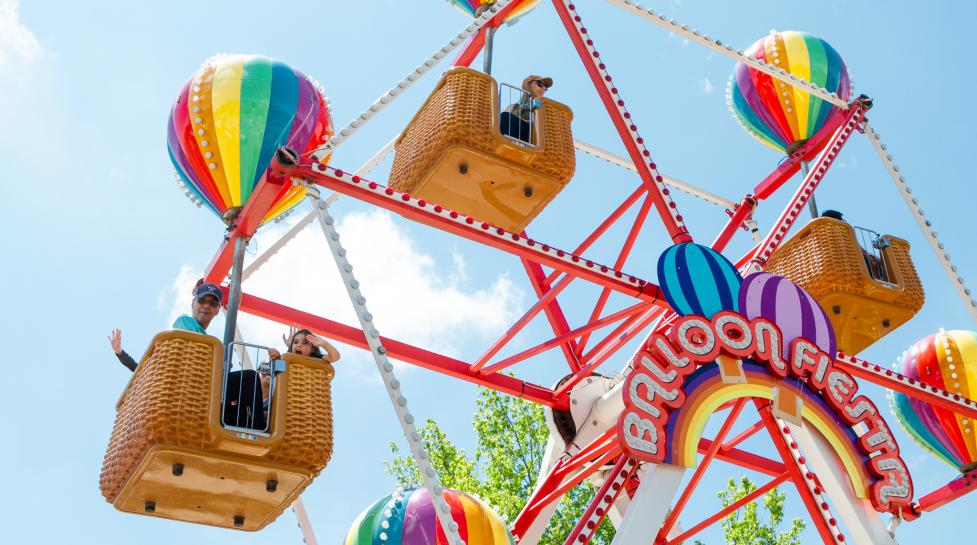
(209, 489)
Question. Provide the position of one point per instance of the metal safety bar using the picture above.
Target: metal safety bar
(247, 394)
(872, 245)
(517, 115)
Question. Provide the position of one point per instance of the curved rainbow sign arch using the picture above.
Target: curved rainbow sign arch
(705, 392)
(660, 386)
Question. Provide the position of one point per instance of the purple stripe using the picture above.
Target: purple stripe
(306, 113)
(791, 323)
(420, 526)
(744, 79)
(808, 326)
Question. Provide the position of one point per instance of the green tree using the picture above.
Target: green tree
(511, 438)
(746, 525)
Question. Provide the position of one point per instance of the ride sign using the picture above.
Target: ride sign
(655, 388)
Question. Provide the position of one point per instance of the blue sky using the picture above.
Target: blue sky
(98, 236)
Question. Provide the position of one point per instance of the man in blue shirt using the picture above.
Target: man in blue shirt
(207, 301)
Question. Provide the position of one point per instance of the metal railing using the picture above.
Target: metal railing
(518, 113)
(247, 394)
(872, 246)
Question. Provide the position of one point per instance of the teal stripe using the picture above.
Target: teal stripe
(703, 280)
(918, 431)
(733, 279)
(834, 67)
(398, 508)
(281, 113)
(753, 123)
(669, 279)
(255, 92)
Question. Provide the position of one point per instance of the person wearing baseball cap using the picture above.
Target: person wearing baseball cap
(207, 301)
(517, 120)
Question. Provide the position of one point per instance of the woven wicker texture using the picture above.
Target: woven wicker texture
(463, 110)
(307, 441)
(168, 401)
(825, 259)
(172, 401)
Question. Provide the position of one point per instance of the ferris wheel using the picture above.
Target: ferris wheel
(775, 330)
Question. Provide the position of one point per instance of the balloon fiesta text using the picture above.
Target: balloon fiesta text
(655, 389)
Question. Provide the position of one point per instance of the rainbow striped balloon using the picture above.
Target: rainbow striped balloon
(229, 119)
(698, 280)
(407, 517)
(946, 360)
(778, 114)
(786, 304)
(468, 7)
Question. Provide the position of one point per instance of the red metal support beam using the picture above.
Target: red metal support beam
(743, 211)
(742, 436)
(707, 459)
(272, 185)
(796, 204)
(604, 226)
(554, 313)
(817, 508)
(471, 49)
(628, 312)
(402, 351)
(955, 489)
(595, 513)
(744, 459)
(726, 511)
(450, 221)
(625, 125)
(892, 380)
(622, 258)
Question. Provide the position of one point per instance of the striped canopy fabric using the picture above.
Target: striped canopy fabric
(776, 113)
(698, 280)
(946, 360)
(407, 517)
(230, 118)
(796, 313)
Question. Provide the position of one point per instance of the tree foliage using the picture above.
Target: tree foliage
(511, 438)
(748, 526)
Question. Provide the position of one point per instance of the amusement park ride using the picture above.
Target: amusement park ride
(776, 329)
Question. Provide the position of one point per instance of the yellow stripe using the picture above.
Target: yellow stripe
(226, 97)
(203, 130)
(962, 349)
(499, 535)
(479, 530)
(800, 66)
(689, 450)
(777, 52)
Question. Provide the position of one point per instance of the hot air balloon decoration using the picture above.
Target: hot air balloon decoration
(797, 315)
(230, 118)
(696, 279)
(407, 517)
(946, 360)
(776, 113)
(470, 7)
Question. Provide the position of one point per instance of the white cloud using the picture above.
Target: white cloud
(18, 45)
(705, 86)
(413, 297)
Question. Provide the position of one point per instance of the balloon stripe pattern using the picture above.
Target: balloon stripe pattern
(786, 304)
(946, 360)
(407, 517)
(468, 7)
(231, 117)
(698, 280)
(778, 114)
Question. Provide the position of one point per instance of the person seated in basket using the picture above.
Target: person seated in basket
(206, 303)
(517, 120)
(875, 266)
(301, 342)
